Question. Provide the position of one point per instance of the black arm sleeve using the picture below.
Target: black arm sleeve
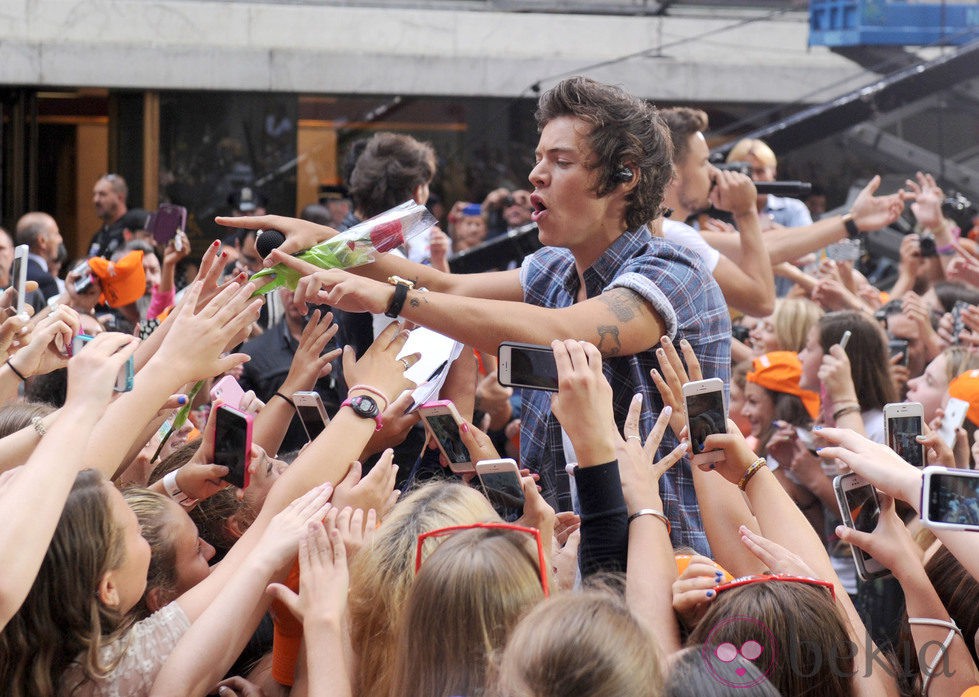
(604, 519)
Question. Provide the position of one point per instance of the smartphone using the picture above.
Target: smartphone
(526, 365)
(860, 510)
(903, 423)
(706, 415)
(950, 498)
(442, 421)
(127, 374)
(955, 411)
(233, 444)
(164, 223)
(227, 391)
(18, 277)
(847, 250)
(807, 438)
(896, 346)
(501, 484)
(312, 413)
(845, 339)
(958, 323)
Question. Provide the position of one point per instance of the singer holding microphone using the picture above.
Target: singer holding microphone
(748, 286)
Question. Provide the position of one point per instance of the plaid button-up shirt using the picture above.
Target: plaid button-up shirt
(679, 288)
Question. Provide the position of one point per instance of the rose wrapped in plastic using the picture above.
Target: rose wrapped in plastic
(355, 246)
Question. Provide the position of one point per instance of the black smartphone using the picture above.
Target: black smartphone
(896, 346)
(958, 323)
(233, 444)
(527, 365)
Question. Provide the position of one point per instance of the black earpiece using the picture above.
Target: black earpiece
(624, 174)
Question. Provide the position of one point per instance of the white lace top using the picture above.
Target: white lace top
(145, 648)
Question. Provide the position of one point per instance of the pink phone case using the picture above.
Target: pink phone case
(246, 476)
(228, 391)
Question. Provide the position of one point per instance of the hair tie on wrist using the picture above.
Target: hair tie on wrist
(16, 372)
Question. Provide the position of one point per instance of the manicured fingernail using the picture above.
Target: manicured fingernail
(710, 594)
(181, 399)
(817, 428)
(719, 574)
(713, 466)
(216, 243)
(819, 450)
(464, 427)
(920, 439)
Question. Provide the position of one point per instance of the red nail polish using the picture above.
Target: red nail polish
(464, 427)
(216, 243)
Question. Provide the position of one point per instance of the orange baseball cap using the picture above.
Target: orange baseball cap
(781, 371)
(966, 387)
(123, 282)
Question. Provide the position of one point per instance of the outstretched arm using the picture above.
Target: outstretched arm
(618, 322)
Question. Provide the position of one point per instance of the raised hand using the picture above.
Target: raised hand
(48, 344)
(674, 376)
(193, 348)
(872, 212)
(583, 403)
(310, 363)
(380, 366)
(300, 234)
(92, 373)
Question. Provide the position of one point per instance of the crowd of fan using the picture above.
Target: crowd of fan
(358, 564)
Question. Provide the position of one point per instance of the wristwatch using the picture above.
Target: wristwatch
(365, 407)
(852, 231)
(401, 288)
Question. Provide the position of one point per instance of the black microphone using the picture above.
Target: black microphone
(267, 240)
(786, 188)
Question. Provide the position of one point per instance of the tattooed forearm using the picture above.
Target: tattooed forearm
(623, 303)
(608, 342)
(417, 299)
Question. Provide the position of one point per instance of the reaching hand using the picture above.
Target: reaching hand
(890, 543)
(380, 366)
(300, 234)
(834, 375)
(310, 363)
(583, 403)
(872, 212)
(928, 198)
(375, 490)
(47, 346)
(356, 527)
(639, 473)
(875, 462)
(92, 373)
(281, 538)
(193, 348)
(323, 579)
(774, 556)
(671, 388)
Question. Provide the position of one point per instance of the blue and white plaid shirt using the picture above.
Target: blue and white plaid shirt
(681, 290)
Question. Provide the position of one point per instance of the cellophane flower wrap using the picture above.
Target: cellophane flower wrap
(355, 246)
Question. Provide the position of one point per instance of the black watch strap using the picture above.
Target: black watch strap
(852, 231)
(398, 300)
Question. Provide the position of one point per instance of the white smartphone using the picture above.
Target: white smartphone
(526, 365)
(442, 420)
(312, 413)
(18, 276)
(860, 510)
(903, 423)
(227, 391)
(955, 411)
(845, 339)
(706, 415)
(950, 498)
(501, 484)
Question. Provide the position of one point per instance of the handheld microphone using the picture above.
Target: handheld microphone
(267, 240)
(786, 188)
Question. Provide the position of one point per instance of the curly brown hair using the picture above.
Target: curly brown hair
(683, 122)
(625, 131)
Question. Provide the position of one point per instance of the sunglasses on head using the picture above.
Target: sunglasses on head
(769, 578)
(452, 529)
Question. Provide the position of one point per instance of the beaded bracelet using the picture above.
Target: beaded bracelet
(750, 472)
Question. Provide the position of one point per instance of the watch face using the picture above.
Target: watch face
(364, 406)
